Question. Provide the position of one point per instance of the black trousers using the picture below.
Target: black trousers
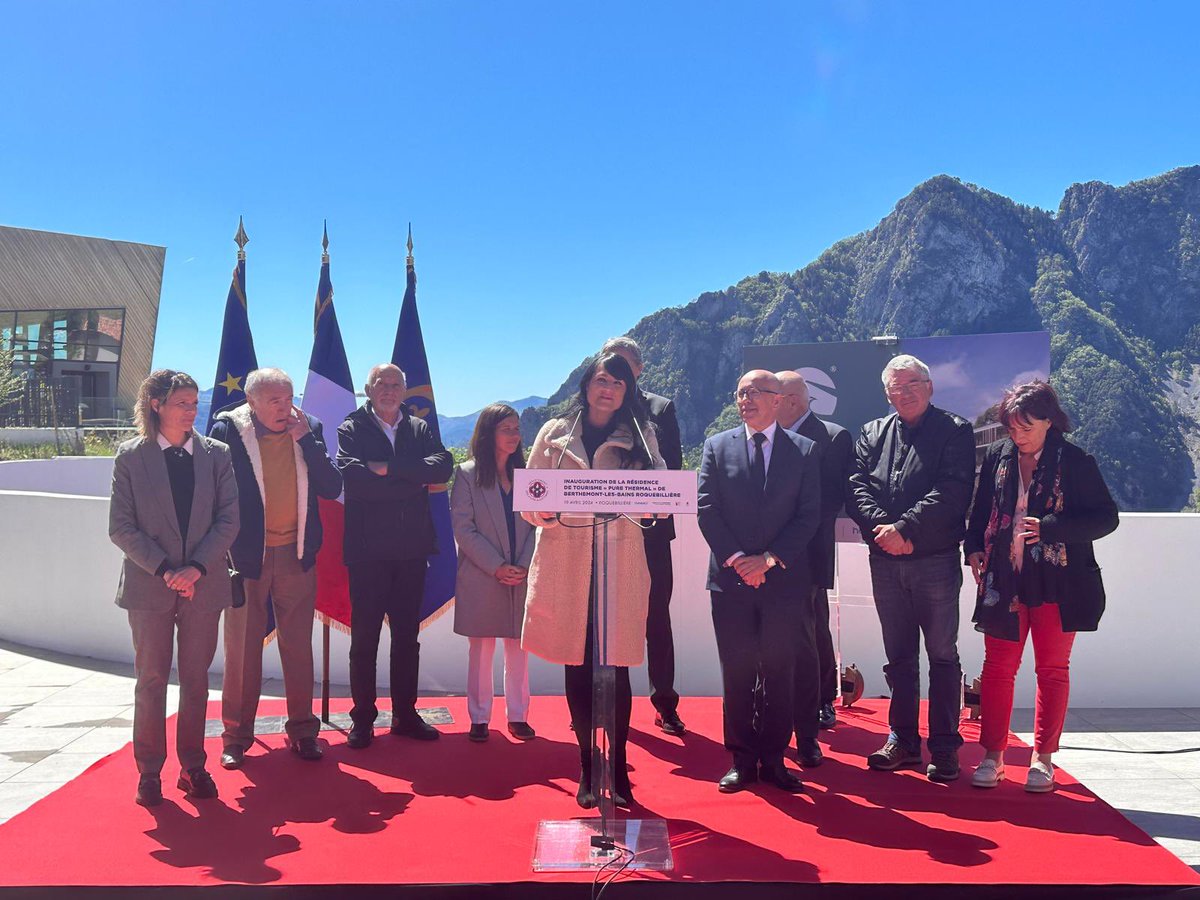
(393, 588)
(761, 638)
(815, 676)
(579, 685)
(827, 673)
(660, 643)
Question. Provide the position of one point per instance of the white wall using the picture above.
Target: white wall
(90, 476)
(58, 576)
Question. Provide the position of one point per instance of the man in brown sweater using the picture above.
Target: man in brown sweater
(282, 466)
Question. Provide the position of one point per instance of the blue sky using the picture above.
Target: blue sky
(567, 168)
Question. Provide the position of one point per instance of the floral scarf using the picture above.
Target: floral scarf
(1002, 589)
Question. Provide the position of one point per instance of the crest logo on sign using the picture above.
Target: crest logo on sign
(537, 489)
(822, 391)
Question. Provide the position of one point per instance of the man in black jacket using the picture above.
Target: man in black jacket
(388, 458)
(660, 643)
(913, 475)
(835, 450)
(282, 467)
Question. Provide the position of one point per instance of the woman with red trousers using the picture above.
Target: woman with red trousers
(1039, 505)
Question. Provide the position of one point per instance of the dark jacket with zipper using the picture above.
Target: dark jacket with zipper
(917, 478)
(1088, 514)
(387, 516)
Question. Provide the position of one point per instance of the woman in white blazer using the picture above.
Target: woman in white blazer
(495, 547)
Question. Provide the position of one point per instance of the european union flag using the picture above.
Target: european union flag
(236, 359)
(409, 355)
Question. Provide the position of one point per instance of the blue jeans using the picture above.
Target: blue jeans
(915, 597)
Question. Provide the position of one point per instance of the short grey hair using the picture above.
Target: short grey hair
(624, 345)
(267, 377)
(904, 362)
(373, 375)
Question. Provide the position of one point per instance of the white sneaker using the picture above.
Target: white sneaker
(1040, 779)
(989, 774)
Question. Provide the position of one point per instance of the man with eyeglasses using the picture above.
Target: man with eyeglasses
(759, 506)
(911, 484)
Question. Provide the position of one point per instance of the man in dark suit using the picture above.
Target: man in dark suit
(759, 506)
(836, 454)
(660, 644)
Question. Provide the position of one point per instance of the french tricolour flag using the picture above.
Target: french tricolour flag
(329, 395)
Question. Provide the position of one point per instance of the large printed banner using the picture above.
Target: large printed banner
(969, 372)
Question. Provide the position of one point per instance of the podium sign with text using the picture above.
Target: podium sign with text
(598, 491)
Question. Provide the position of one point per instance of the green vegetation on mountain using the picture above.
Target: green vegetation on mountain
(1113, 275)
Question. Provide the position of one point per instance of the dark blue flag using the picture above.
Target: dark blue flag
(236, 359)
(409, 355)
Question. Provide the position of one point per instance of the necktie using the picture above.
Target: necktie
(758, 466)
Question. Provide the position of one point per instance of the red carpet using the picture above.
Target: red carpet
(407, 812)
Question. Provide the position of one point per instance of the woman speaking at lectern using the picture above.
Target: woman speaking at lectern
(605, 427)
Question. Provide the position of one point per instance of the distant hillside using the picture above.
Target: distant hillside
(1113, 275)
(457, 430)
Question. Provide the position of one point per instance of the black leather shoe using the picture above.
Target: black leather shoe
(670, 723)
(149, 791)
(415, 727)
(782, 777)
(232, 757)
(826, 718)
(478, 733)
(360, 737)
(737, 780)
(808, 752)
(197, 784)
(521, 731)
(307, 748)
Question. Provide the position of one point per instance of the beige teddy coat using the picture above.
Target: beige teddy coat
(560, 575)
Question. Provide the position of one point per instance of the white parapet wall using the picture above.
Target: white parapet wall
(58, 577)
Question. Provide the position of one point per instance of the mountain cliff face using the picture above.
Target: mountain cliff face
(1114, 276)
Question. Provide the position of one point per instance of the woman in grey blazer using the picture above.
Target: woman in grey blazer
(494, 550)
(174, 513)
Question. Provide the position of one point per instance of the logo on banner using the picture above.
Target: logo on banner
(420, 401)
(822, 392)
(537, 489)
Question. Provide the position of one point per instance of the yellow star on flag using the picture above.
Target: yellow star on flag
(231, 383)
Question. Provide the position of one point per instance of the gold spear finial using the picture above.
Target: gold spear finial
(410, 256)
(325, 241)
(241, 239)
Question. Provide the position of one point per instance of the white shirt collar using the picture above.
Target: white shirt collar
(389, 431)
(187, 445)
(769, 431)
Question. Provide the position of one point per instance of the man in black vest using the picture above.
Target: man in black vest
(836, 454)
(660, 645)
(388, 459)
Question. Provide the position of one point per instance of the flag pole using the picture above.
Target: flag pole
(325, 621)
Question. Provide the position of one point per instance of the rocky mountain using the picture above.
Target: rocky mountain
(1113, 275)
